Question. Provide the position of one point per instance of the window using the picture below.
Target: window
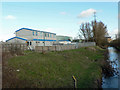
(53, 36)
(36, 33)
(45, 34)
(40, 34)
(33, 33)
(48, 34)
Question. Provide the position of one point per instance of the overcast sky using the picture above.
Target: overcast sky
(62, 18)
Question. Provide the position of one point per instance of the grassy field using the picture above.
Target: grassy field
(55, 69)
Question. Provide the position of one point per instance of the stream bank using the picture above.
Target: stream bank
(113, 58)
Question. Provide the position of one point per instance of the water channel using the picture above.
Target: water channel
(114, 81)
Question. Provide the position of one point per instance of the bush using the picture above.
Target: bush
(14, 50)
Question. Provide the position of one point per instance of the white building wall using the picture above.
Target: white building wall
(27, 34)
(41, 35)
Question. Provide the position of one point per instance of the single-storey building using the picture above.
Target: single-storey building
(63, 39)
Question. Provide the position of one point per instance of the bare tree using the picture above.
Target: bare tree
(94, 31)
(85, 31)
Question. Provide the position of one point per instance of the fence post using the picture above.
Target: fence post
(48, 48)
(55, 47)
(23, 47)
(42, 48)
(11, 47)
(19, 46)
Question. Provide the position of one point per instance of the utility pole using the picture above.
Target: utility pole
(94, 16)
(94, 27)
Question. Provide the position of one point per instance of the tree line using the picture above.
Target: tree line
(94, 31)
(116, 43)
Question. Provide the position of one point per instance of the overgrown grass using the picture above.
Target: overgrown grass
(55, 69)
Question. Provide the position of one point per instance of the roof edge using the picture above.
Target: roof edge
(17, 38)
(33, 30)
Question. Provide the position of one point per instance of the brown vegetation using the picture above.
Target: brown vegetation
(94, 31)
(107, 69)
(9, 77)
(115, 43)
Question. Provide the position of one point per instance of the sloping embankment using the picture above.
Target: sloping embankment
(55, 69)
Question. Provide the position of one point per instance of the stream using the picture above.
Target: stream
(113, 81)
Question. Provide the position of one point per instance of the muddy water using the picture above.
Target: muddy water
(113, 82)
